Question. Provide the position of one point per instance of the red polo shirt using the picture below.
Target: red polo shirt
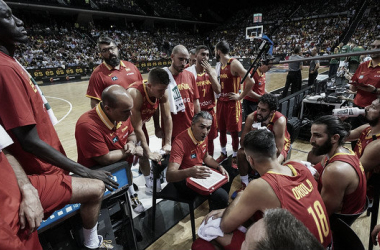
(105, 75)
(96, 135)
(187, 151)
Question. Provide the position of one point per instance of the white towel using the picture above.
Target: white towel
(308, 165)
(192, 70)
(217, 69)
(211, 230)
(175, 98)
(52, 117)
(5, 139)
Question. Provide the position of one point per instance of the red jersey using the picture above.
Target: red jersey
(105, 75)
(187, 151)
(364, 139)
(277, 115)
(228, 82)
(352, 203)
(189, 92)
(22, 105)
(366, 74)
(258, 87)
(96, 135)
(299, 195)
(148, 107)
(206, 93)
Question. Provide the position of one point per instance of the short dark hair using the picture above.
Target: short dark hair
(198, 48)
(223, 46)
(271, 100)
(104, 40)
(297, 50)
(203, 114)
(261, 142)
(284, 232)
(335, 126)
(192, 51)
(158, 76)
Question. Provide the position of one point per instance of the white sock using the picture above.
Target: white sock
(244, 179)
(90, 236)
(131, 190)
(234, 154)
(147, 178)
(224, 151)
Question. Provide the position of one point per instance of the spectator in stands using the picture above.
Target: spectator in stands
(334, 64)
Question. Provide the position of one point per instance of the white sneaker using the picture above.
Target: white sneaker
(137, 206)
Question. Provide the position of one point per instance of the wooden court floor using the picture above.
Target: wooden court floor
(69, 103)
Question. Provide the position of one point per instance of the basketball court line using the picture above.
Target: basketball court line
(70, 109)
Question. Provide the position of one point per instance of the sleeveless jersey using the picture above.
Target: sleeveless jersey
(258, 87)
(277, 115)
(148, 106)
(299, 195)
(206, 93)
(364, 140)
(228, 82)
(352, 203)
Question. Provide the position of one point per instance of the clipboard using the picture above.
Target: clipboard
(209, 185)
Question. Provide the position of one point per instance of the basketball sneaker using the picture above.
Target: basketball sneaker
(137, 206)
(221, 158)
(234, 194)
(105, 244)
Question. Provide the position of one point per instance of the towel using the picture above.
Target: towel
(49, 110)
(217, 69)
(5, 140)
(308, 165)
(211, 230)
(192, 70)
(175, 98)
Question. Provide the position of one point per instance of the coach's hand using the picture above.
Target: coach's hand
(200, 172)
(31, 210)
(167, 148)
(104, 176)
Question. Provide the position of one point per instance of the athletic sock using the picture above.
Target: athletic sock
(147, 178)
(131, 190)
(91, 239)
(224, 150)
(244, 179)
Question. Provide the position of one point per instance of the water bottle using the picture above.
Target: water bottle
(349, 112)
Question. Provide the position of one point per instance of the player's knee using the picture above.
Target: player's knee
(98, 189)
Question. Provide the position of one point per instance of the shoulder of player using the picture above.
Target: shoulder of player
(337, 170)
(373, 148)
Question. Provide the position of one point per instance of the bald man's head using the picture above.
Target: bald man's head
(180, 57)
(117, 103)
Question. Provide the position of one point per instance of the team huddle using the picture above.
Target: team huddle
(189, 103)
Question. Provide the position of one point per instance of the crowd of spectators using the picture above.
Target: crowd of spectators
(369, 26)
(60, 45)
